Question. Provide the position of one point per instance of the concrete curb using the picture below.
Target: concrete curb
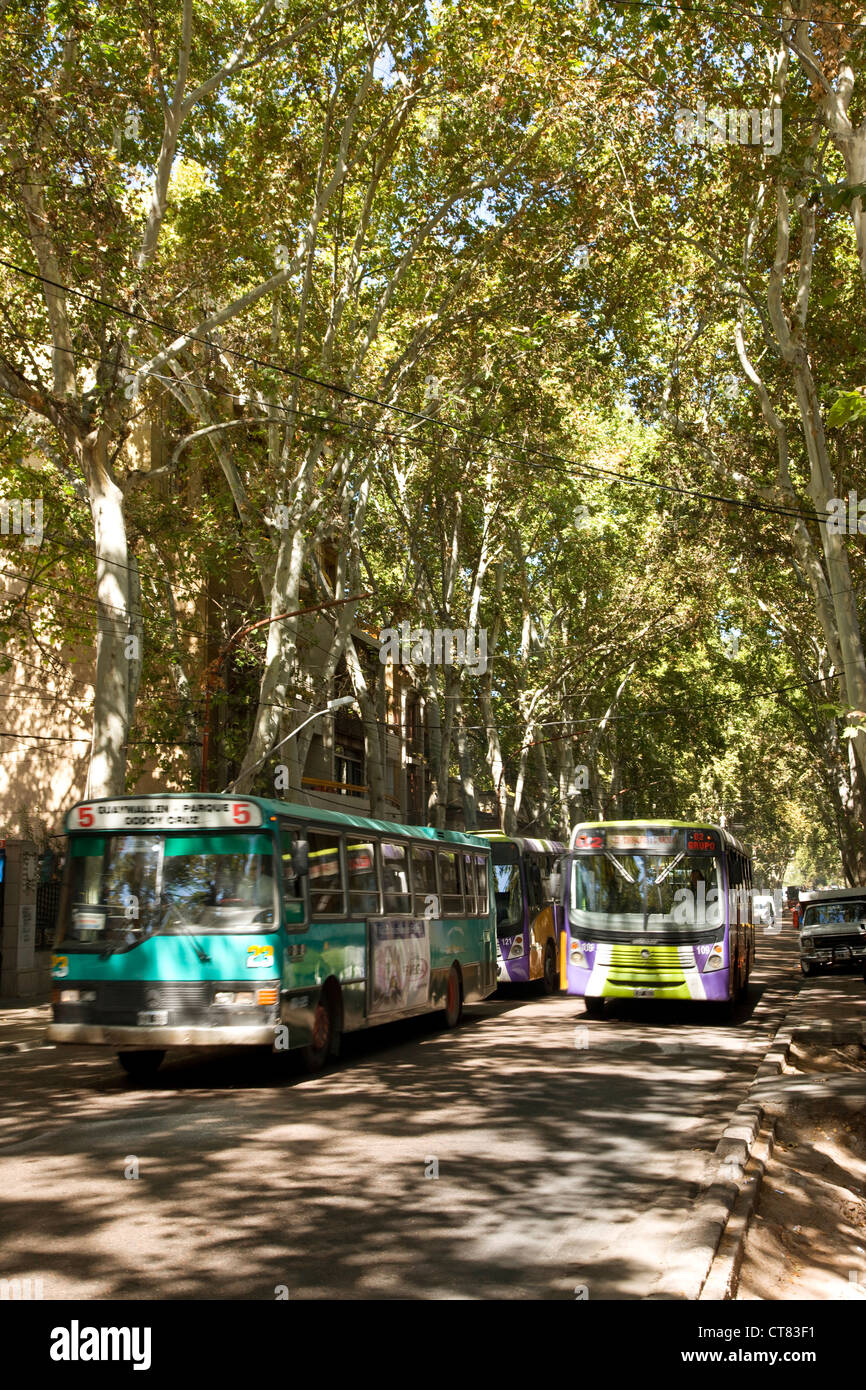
(744, 1150)
(733, 1190)
(721, 1282)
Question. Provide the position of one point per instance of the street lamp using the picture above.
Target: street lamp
(332, 705)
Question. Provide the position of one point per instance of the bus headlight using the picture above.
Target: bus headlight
(77, 996)
(715, 960)
(228, 999)
(516, 947)
(576, 956)
(806, 943)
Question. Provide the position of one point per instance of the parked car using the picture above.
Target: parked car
(832, 928)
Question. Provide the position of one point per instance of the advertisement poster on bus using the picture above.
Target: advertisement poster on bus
(400, 964)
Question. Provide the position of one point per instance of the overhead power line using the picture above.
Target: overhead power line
(519, 451)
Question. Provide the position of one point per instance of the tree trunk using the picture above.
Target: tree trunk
(118, 646)
(279, 658)
(467, 782)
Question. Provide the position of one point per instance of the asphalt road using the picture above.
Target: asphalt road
(568, 1153)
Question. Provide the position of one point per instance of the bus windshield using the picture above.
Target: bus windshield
(123, 888)
(509, 889)
(645, 892)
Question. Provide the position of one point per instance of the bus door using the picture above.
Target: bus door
(298, 863)
(538, 921)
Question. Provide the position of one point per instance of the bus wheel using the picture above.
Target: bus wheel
(593, 1006)
(807, 967)
(550, 978)
(140, 1065)
(326, 1035)
(453, 999)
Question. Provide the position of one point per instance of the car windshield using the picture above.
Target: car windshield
(123, 888)
(644, 892)
(834, 914)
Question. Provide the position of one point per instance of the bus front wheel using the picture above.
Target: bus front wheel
(141, 1066)
(593, 1006)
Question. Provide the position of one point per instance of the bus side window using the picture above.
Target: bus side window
(482, 884)
(293, 884)
(469, 885)
(534, 891)
(424, 879)
(396, 896)
(553, 882)
(735, 881)
(327, 896)
(363, 878)
(452, 898)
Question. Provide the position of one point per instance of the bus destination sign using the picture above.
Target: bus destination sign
(589, 840)
(702, 842)
(170, 814)
(644, 838)
(654, 839)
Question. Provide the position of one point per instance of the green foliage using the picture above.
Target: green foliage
(847, 407)
(595, 424)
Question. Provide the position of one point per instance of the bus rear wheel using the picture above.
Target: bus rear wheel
(325, 1040)
(453, 1010)
(141, 1066)
(550, 976)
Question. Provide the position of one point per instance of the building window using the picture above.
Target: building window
(349, 768)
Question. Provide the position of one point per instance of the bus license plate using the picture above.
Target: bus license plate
(153, 1016)
(644, 994)
(843, 953)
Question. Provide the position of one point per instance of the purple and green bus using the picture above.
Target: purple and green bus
(656, 910)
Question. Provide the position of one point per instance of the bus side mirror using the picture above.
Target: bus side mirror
(554, 886)
(300, 858)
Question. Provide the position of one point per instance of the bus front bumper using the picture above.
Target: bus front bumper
(130, 1038)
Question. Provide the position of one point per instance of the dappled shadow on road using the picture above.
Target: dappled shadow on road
(549, 1132)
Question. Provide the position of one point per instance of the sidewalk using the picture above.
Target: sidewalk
(23, 1023)
(807, 1100)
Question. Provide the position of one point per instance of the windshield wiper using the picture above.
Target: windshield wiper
(199, 950)
(673, 864)
(620, 867)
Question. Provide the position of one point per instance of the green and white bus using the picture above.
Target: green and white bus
(195, 920)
